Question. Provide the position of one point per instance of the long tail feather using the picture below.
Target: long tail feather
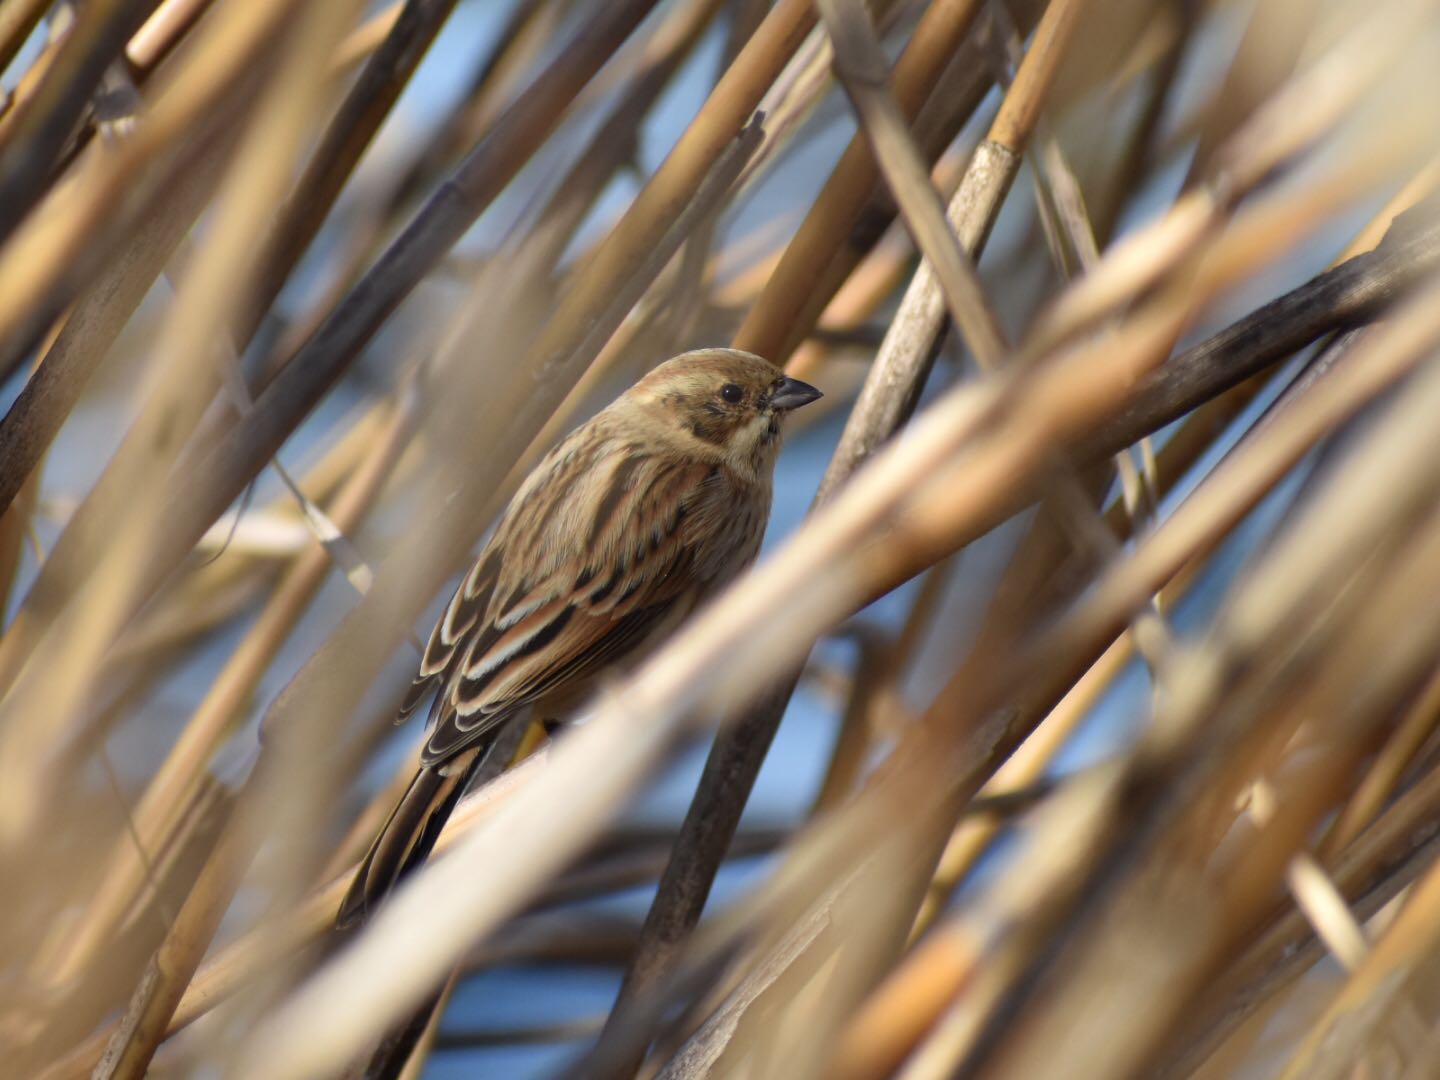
(408, 835)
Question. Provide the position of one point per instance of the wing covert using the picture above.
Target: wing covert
(577, 596)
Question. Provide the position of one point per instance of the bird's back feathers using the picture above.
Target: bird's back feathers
(558, 595)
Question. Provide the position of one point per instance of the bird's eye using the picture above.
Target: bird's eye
(732, 393)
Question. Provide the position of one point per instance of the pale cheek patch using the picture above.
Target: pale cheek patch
(760, 431)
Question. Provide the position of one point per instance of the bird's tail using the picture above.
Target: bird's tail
(408, 835)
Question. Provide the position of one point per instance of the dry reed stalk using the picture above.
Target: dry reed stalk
(1260, 966)
(366, 104)
(848, 216)
(1269, 48)
(17, 20)
(740, 159)
(1143, 337)
(129, 1051)
(865, 290)
(350, 131)
(1415, 191)
(1023, 768)
(729, 105)
(1201, 350)
(496, 80)
(59, 248)
(415, 1060)
(667, 689)
(1377, 867)
(861, 68)
(1387, 356)
(941, 29)
(270, 144)
(34, 75)
(33, 132)
(724, 114)
(874, 281)
(365, 826)
(162, 30)
(318, 678)
(53, 390)
(905, 356)
(968, 952)
(1242, 885)
(15, 525)
(1290, 120)
(250, 955)
(1119, 853)
(536, 253)
(202, 491)
(876, 670)
(178, 613)
(1014, 125)
(156, 822)
(1385, 774)
(178, 392)
(367, 37)
(1034, 563)
(1370, 998)
(735, 760)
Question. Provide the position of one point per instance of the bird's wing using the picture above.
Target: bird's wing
(575, 590)
(521, 529)
(452, 630)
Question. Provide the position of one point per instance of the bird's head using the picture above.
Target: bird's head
(723, 405)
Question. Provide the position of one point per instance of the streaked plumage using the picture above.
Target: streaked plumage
(617, 534)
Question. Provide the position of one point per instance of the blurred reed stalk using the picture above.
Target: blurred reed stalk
(1142, 295)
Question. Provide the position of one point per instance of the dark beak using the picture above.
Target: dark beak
(791, 394)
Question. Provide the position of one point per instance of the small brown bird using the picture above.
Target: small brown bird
(622, 529)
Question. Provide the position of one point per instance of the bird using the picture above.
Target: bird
(641, 513)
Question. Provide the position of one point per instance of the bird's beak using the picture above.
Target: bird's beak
(791, 394)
